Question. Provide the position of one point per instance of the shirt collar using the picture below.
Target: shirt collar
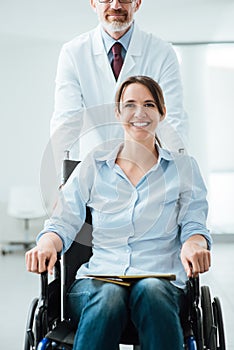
(108, 41)
(110, 157)
(164, 153)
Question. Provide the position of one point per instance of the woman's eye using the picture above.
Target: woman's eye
(150, 105)
(129, 105)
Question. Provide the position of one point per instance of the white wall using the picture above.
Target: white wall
(27, 72)
(208, 76)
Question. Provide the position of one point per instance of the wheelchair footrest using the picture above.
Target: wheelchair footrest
(62, 333)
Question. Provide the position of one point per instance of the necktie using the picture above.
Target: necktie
(117, 59)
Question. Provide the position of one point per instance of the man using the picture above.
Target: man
(85, 79)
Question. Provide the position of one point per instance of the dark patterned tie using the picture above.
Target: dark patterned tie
(117, 59)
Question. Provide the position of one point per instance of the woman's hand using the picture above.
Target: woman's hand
(195, 256)
(44, 255)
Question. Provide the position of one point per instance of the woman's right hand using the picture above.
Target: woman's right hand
(44, 255)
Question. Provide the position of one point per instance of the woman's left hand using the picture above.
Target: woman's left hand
(195, 256)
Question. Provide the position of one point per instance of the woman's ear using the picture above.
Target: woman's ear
(117, 112)
(163, 116)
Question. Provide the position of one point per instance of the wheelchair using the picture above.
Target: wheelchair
(48, 325)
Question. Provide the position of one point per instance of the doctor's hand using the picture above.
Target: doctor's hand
(195, 256)
(44, 255)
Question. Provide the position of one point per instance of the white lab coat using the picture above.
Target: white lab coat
(85, 81)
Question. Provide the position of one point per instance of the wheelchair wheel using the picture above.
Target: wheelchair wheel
(29, 335)
(218, 320)
(209, 328)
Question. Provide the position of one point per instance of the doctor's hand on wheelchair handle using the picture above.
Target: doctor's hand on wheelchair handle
(195, 256)
(44, 255)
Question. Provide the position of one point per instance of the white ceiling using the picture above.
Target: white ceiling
(173, 20)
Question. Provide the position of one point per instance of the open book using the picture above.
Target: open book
(127, 280)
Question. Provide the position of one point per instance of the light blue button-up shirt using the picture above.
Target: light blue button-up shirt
(108, 42)
(136, 229)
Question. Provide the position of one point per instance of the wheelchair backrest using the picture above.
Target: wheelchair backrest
(76, 255)
(81, 249)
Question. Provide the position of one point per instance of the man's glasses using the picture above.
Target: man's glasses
(121, 1)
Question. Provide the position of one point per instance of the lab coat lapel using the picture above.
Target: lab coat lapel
(100, 56)
(134, 53)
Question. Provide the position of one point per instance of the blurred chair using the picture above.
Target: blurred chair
(24, 204)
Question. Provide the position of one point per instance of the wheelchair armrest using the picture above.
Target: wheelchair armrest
(193, 286)
(49, 304)
(44, 280)
(44, 289)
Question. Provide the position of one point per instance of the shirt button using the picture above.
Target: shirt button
(128, 250)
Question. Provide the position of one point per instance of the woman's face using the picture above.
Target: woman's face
(139, 113)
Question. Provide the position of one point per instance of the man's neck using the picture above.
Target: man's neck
(117, 35)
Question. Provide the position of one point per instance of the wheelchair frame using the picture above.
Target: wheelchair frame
(48, 324)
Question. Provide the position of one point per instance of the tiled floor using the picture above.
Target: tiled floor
(19, 287)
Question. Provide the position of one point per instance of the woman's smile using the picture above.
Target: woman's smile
(140, 124)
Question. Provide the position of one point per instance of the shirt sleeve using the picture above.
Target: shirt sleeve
(67, 119)
(171, 84)
(70, 210)
(193, 204)
(68, 96)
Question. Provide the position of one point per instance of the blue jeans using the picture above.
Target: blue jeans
(100, 311)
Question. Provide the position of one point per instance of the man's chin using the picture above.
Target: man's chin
(116, 26)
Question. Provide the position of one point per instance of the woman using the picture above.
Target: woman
(148, 211)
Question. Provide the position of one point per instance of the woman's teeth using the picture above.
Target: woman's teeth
(140, 124)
